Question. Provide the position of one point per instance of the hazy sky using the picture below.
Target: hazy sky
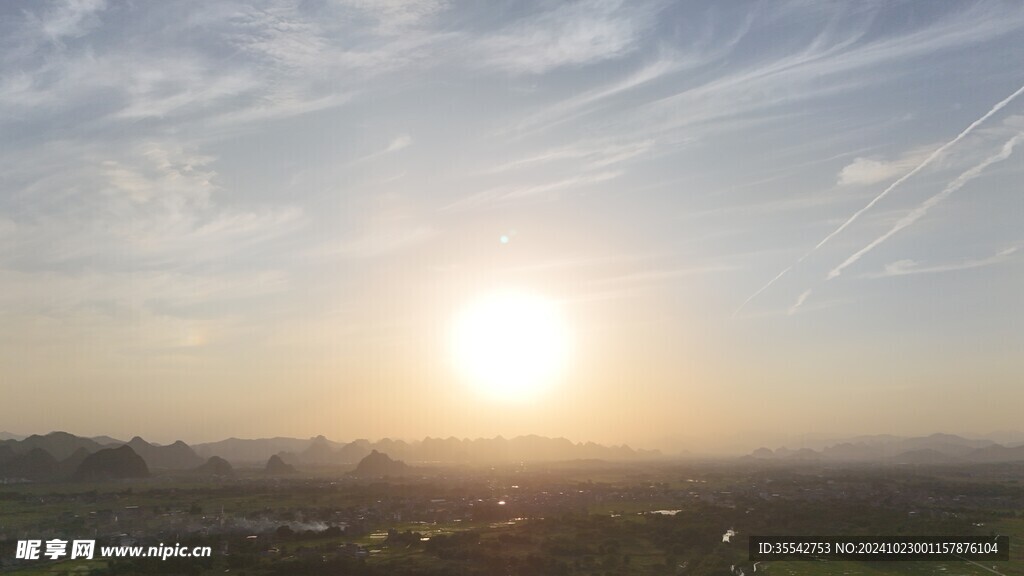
(219, 220)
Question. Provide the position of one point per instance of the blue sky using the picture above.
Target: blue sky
(227, 219)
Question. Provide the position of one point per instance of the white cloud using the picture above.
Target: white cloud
(868, 171)
(400, 142)
(864, 171)
(799, 302)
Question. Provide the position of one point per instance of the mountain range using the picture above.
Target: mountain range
(70, 451)
(933, 449)
(318, 451)
(321, 451)
(60, 455)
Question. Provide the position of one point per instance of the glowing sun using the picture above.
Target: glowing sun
(510, 345)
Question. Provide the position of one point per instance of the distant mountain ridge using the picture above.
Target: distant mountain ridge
(240, 450)
(68, 451)
(62, 445)
(33, 463)
(321, 451)
(934, 449)
(276, 466)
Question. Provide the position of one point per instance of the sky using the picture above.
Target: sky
(758, 220)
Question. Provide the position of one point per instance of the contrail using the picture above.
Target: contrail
(921, 210)
(924, 164)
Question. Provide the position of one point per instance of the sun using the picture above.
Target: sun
(510, 345)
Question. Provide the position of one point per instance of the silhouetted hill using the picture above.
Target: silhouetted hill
(67, 467)
(397, 449)
(9, 436)
(946, 444)
(112, 464)
(277, 466)
(216, 466)
(354, 451)
(377, 464)
(177, 456)
(36, 464)
(320, 451)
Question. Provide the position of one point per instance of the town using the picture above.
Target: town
(583, 517)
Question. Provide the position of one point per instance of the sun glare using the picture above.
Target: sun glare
(510, 345)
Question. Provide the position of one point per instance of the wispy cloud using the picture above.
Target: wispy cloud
(626, 285)
(138, 288)
(504, 194)
(577, 105)
(148, 205)
(911, 267)
(799, 302)
(400, 142)
(572, 34)
(389, 226)
(384, 241)
(711, 40)
(592, 155)
(826, 65)
(394, 17)
(69, 19)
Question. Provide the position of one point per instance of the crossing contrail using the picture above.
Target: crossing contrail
(924, 164)
(921, 210)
